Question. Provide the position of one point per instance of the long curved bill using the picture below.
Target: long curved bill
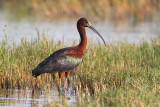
(91, 27)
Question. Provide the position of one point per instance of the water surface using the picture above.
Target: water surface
(67, 31)
(26, 97)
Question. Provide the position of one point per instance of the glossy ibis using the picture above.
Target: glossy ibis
(66, 59)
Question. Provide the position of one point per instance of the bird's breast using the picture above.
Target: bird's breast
(67, 63)
(73, 60)
(71, 63)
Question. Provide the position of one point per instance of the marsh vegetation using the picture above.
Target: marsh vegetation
(124, 73)
(117, 75)
(117, 10)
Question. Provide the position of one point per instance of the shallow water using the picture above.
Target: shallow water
(67, 31)
(26, 97)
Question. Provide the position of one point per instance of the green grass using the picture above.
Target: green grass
(116, 75)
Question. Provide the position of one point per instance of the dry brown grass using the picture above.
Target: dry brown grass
(110, 9)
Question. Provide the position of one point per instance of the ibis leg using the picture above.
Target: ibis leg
(67, 74)
(60, 78)
(66, 79)
(66, 82)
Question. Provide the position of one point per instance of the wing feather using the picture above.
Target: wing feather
(62, 60)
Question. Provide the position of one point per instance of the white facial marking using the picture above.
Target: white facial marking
(89, 23)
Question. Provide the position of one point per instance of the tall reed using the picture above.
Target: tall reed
(106, 9)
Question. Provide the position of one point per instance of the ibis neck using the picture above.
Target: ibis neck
(83, 43)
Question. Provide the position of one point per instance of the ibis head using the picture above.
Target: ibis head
(84, 22)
